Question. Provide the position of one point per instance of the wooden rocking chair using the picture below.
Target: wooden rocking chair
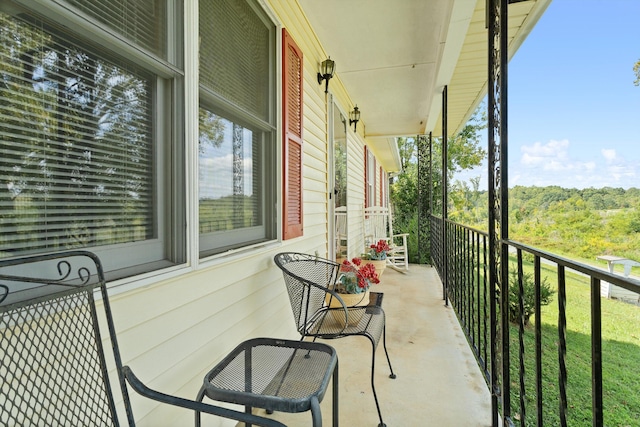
(378, 225)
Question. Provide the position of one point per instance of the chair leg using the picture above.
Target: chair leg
(199, 398)
(336, 400)
(384, 345)
(373, 386)
(316, 416)
(248, 410)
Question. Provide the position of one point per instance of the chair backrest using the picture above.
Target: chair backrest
(376, 224)
(52, 360)
(306, 277)
(341, 230)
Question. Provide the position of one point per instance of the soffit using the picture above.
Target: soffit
(395, 57)
(468, 84)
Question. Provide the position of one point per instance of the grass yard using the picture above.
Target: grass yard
(621, 360)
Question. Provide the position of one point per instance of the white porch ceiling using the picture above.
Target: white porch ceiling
(395, 57)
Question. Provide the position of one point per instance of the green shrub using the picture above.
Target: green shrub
(529, 296)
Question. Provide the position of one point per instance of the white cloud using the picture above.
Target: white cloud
(554, 163)
(609, 155)
(539, 153)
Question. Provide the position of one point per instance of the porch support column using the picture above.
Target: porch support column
(424, 200)
(498, 208)
(445, 193)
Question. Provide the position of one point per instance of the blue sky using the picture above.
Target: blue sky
(574, 111)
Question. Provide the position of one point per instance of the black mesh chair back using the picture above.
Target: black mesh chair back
(53, 363)
(308, 279)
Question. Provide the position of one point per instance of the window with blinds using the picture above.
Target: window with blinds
(79, 148)
(142, 22)
(236, 55)
(237, 170)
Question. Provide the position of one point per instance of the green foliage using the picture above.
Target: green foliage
(404, 196)
(211, 130)
(578, 223)
(529, 296)
(464, 152)
(581, 224)
(227, 213)
(620, 349)
(636, 71)
(467, 204)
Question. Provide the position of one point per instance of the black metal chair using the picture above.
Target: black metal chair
(52, 361)
(309, 280)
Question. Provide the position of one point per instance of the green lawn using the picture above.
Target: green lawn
(621, 359)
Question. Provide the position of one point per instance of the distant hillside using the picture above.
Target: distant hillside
(575, 223)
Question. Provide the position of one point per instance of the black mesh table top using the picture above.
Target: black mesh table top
(277, 375)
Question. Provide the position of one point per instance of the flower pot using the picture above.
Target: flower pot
(350, 300)
(379, 264)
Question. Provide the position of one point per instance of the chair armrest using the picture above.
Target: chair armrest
(145, 391)
(402, 236)
(331, 294)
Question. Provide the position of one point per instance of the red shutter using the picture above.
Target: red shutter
(381, 188)
(292, 137)
(374, 188)
(366, 177)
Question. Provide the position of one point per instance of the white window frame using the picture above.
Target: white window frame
(215, 244)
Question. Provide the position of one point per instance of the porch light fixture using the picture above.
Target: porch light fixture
(327, 69)
(354, 118)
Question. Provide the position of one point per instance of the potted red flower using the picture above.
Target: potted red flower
(379, 250)
(356, 277)
(354, 280)
(377, 255)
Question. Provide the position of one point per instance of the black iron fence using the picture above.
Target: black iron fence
(559, 369)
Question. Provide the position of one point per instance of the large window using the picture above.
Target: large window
(86, 130)
(237, 167)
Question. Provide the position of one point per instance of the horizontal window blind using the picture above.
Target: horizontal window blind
(142, 22)
(236, 166)
(76, 153)
(235, 54)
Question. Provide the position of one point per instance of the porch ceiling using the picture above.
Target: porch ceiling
(395, 57)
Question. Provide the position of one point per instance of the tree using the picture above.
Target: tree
(636, 70)
(464, 152)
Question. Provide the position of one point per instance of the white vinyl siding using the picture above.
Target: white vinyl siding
(175, 323)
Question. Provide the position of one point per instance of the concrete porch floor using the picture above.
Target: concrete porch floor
(438, 381)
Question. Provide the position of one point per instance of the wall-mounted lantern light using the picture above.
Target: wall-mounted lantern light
(327, 69)
(354, 118)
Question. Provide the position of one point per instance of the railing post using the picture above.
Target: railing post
(445, 193)
(424, 199)
(498, 208)
(596, 354)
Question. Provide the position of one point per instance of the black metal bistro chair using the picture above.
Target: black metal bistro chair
(309, 280)
(53, 366)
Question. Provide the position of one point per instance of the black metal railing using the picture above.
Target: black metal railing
(538, 354)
